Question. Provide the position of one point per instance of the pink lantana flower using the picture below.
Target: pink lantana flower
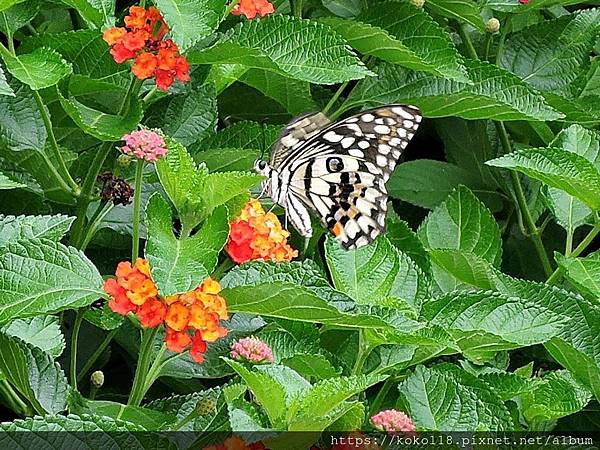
(145, 144)
(392, 420)
(252, 349)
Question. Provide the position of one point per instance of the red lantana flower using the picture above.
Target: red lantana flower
(250, 8)
(191, 319)
(142, 39)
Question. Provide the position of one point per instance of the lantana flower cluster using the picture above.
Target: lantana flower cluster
(143, 39)
(145, 144)
(392, 421)
(191, 319)
(250, 8)
(258, 235)
(252, 349)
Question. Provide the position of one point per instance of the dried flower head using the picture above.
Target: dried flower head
(258, 235)
(142, 39)
(250, 8)
(252, 349)
(392, 420)
(145, 144)
(115, 189)
(97, 379)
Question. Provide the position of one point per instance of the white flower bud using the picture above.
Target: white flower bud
(97, 379)
(417, 3)
(492, 25)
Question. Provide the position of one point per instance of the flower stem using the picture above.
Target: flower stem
(137, 198)
(138, 389)
(74, 339)
(13, 400)
(95, 222)
(529, 223)
(333, 99)
(364, 350)
(229, 9)
(296, 6)
(99, 350)
(467, 41)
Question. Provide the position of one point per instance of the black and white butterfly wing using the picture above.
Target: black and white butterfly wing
(340, 172)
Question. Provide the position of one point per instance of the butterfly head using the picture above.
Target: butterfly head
(262, 167)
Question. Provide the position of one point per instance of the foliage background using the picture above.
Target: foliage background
(477, 311)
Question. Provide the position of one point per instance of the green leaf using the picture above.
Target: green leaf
(374, 41)
(39, 69)
(549, 55)
(31, 227)
(579, 111)
(191, 20)
(462, 10)
(447, 398)
(186, 118)
(406, 240)
(5, 88)
(96, 13)
(244, 134)
(300, 49)
(431, 44)
(343, 8)
(103, 126)
(411, 182)
(7, 184)
(515, 6)
(33, 374)
(56, 432)
(19, 15)
(39, 276)
(584, 273)
(180, 265)
(455, 269)
(229, 159)
(494, 94)
(557, 395)
(377, 274)
(570, 212)
(42, 332)
(462, 222)
(557, 168)
(484, 322)
(141, 416)
(509, 385)
(5, 4)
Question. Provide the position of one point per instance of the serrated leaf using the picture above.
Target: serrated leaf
(484, 322)
(187, 118)
(180, 265)
(244, 134)
(191, 20)
(549, 55)
(462, 222)
(5, 88)
(34, 374)
(584, 273)
(7, 184)
(38, 276)
(582, 110)
(411, 182)
(301, 49)
(516, 6)
(431, 44)
(455, 269)
(228, 159)
(377, 274)
(103, 126)
(462, 10)
(19, 15)
(570, 212)
(447, 398)
(5, 4)
(406, 240)
(95, 12)
(42, 332)
(495, 94)
(557, 168)
(39, 69)
(31, 227)
(509, 385)
(141, 416)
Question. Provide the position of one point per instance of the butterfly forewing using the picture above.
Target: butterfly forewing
(341, 170)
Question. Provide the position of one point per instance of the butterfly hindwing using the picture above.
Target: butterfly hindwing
(340, 171)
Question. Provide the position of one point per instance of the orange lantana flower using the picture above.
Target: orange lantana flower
(250, 8)
(258, 235)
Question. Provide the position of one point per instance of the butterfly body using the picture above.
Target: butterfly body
(339, 170)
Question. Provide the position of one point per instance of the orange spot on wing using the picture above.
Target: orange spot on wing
(337, 229)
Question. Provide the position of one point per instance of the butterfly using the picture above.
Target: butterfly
(338, 170)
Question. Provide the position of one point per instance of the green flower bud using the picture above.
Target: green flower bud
(417, 3)
(492, 25)
(97, 379)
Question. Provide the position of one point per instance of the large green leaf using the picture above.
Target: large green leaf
(584, 273)
(180, 265)
(42, 68)
(42, 332)
(5, 88)
(406, 240)
(569, 211)
(304, 50)
(30, 227)
(549, 55)
(6, 183)
(486, 322)
(38, 276)
(186, 118)
(191, 20)
(377, 274)
(462, 10)
(494, 94)
(557, 168)
(244, 134)
(462, 222)
(431, 44)
(95, 12)
(141, 416)
(447, 398)
(5, 4)
(33, 374)
(515, 6)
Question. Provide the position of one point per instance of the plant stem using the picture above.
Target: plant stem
(587, 240)
(383, 392)
(501, 40)
(62, 167)
(9, 38)
(137, 199)
(487, 44)
(529, 223)
(296, 8)
(14, 400)
(364, 350)
(333, 99)
(97, 353)
(229, 9)
(74, 339)
(141, 371)
(467, 41)
(154, 369)
(95, 222)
